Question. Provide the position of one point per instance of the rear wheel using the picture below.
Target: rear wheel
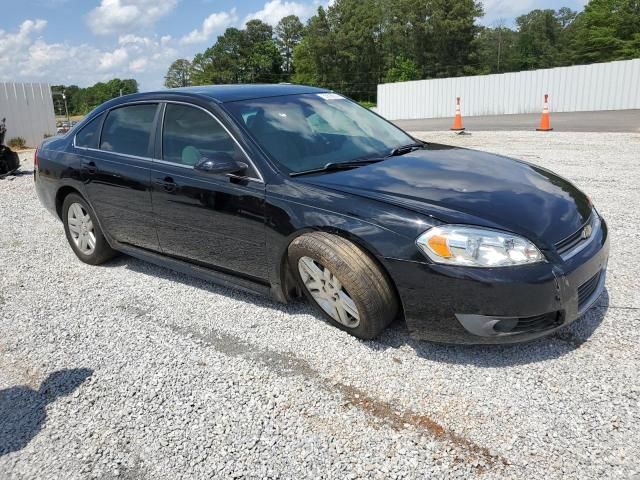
(344, 282)
(83, 232)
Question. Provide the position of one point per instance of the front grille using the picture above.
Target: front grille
(566, 245)
(538, 323)
(587, 289)
(570, 242)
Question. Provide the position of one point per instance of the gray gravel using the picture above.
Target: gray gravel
(132, 371)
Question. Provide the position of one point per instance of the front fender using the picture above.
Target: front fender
(382, 231)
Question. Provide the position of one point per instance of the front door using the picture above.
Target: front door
(204, 218)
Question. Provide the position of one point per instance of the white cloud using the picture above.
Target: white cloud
(113, 60)
(139, 65)
(497, 11)
(11, 42)
(214, 23)
(41, 56)
(27, 57)
(274, 10)
(271, 12)
(124, 16)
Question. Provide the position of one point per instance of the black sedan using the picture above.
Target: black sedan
(289, 190)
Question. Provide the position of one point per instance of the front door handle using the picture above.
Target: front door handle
(167, 184)
(89, 166)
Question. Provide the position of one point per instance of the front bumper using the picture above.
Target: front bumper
(500, 305)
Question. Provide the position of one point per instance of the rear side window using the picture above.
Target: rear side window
(127, 130)
(190, 134)
(89, 135)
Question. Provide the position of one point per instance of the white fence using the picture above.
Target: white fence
(601, 86)
(28, 108)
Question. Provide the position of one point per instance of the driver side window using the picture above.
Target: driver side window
(189, 134)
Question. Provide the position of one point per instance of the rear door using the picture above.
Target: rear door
(216, 220)
(115, 167)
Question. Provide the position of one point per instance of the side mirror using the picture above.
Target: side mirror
(220, 163)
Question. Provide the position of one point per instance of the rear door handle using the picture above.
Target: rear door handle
(89, 166)
(167, 184)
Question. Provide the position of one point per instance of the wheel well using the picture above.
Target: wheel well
(290, 286)
(61, 195)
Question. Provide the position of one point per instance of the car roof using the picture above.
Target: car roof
(216, 93)
(233, 93)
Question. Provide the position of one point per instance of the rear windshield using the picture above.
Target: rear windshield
(303, 132)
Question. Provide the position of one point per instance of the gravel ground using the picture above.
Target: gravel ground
(132, 371)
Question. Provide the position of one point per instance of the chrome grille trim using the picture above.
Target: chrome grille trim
(581, 244)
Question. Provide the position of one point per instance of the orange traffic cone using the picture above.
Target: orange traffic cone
(545, 121)
(457, 123)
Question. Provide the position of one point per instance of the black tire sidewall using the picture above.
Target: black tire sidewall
(370, 326)
(102, 251)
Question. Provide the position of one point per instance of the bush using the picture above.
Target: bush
(366, 104)
(17, 143)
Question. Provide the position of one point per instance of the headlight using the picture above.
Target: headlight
(477, 247)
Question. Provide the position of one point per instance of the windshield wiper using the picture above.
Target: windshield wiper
(334, 166)
(406, 149)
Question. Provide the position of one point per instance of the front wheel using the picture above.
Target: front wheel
(83, 232)
(344, 283)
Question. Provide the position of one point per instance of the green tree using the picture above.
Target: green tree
(342, 49)
(402, 43)
(448, 34)
(313, 57)
(403, 70)
(544, 38)
(178, 74)
(496, 50)
(607, 30)
(538, 37)
(358, 35)
(566, 16)
(353, 45)
(288, 32)
(82, 100)
(239, 56)
(262, 60)
(356, 44)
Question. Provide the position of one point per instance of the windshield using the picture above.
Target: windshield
(304, 132)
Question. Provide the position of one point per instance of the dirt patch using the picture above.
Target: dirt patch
(289, 365)
(480, 457)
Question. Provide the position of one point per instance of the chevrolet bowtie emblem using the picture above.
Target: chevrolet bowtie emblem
(586, 233)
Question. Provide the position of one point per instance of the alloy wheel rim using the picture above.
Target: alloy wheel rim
(81, 229)
(328, 292)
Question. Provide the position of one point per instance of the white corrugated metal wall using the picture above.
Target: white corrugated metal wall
(28, 108)
(601, 86)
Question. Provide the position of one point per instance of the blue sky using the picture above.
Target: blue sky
(85, 41)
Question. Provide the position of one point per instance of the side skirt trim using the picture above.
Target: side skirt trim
(219, 278)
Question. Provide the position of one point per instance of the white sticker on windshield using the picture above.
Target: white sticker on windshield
(330, 96)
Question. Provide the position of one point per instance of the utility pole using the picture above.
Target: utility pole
(499, 46)
(500, 25)
(66, 109)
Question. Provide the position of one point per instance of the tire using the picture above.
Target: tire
(96, 250)
(9, 161)
(358, 277)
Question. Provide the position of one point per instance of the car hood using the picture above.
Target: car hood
(457, 185)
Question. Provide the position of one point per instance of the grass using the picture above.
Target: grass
(73, 118)
(367, 104)
(17, 143)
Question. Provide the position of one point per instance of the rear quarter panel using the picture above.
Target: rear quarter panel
(56, 169)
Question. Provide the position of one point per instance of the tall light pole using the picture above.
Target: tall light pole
(66, 109)
(500, 25)
(499, 46)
